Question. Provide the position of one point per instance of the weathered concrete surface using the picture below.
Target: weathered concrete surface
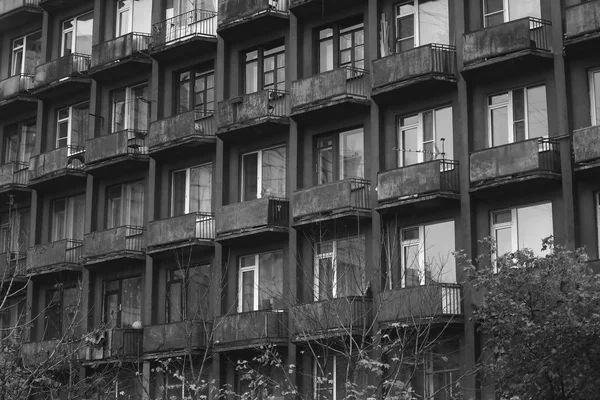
(176, 229)
(410, 180)
(322, 198)
(245, 108)
(47, 163)
(505, 160)
(35, 353)
(102, 243)
(60, 68)
(46, 255)
(184, 335)
(231, 10)
(582, 18)
(245, 215)
(413, 63)
(347, 313)
(7, 174)
(9, 262)
(250, 326)
(7, 6)
(586, 144)
(495, 41)
(319, 88)
(118, 48)
(178, 128)
(105, 147)
(15, 85)
(421, 302)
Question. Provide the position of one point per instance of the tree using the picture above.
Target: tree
(540, 316)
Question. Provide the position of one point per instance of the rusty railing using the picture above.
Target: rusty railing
(549, 154)
(134, 238)
(444, 57)
(73, 253)
(359, 193)
(21, 173)
(204, 123)
(205, 225)
(136, 142)
(539, 30)
(449, 175)
(279, 210)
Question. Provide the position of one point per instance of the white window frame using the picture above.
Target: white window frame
(255, 269)
(69, 121)
(73, 30)
(510, 112)
(125, 199)
(421, 135)
(15, 50)
(595, 119)
(415, 14)
(188, 173)
(129, 104)
(512, 225)
(405, 244)
(259, 161)
(505, 12)
(120, 11)
(316, 376)
(323, 256)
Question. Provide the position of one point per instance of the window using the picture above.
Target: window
(77, 35)
(191, 191)
(72, 125)
(263, 173)
(332, 375)
(14, 232)
(260, 285)
(420, 22)
(425, 137)
(264, 68)
(496, 12)
(125, 205)
(19, 142)
(178, 7)
(26, 54)
(61, 310)
(130, 108)
(187, 291)
(426, 255)
(342, 45)
(196, 91)
(340, 269)
(122, 302)
(12, 318)
(522, 227)
(595, 96)
(67, 218)
(517, 115)
(177, 379)
(340, 156)
(133, 16)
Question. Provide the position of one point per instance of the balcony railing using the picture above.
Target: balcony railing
(176, 336)
(420, 303)
(339, 84)
(122, 143)
(70, 158)
(248, 217)
(117, 343)
(73, 65)
(181, 230)
(586, 145)
(510, 37)
(418, 179)
(253, 108)
(249, 329)
(15, 85)
(195, 23)
(113, 243)
(526, 157)
(14, 174)
(59, 254)
(236, 11)
(181, 128)
(119, 48)
(582, 19)
(350, 195)
(7, 6)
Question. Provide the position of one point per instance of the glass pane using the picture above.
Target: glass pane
(440, 264)
(131, 306)
(178, 193)
(326, 55)
(68, 43)
(409, 146)
(76, 217)
(183, 104)
(62, 134)
(503, 239)
(273, 172)
(58, 220)
(537, 112)
(118, 110)
(198, 284)
(251, 77)
(345, 41)
(17, 62)
(111, 310)
(174, 299)
(123, 22)
(444, 140)
(411, 265)
(325, 278)
(325, 165)
(350, 261)
(534, 224)
(524, 8)
(596, 96)
(518, 97)
(80, 124)
(270, 281)
(494, 19)
(33, 52)
(142, 14)
(427, 126)
(113, 212)
(406, 27)
(351, 154)
(434, 22)
(250, 176)
(502, 217)
(135, 206)
(491, 6)
(70, 317)
(85, 30)
(201, 188)
(52, 315)
(499, 123)
(247, 291)
(140, 108)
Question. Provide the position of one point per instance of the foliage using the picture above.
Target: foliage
(540, 317)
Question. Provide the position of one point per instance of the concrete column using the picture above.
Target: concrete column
(35, 218)
(29, 312)
(90, 205)
(149, 293)
(99, 19)
(215, 377)
(146, 381)
(46, 44)
(85, 300)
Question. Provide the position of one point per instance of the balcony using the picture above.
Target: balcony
(15, 13)
(124, 242)
(192, 32)
(62, 255)
(124, 55)
(189, 129)
(176, 338)
(347, 198)
(261, 216)
(322, 8)
(194, 229)
(582, 25)
(425, 184)
(264, 112)
(238, 17)
(55, 5)
(14, 177)
(62, 76)
(39, 353)
(586, 150)
(250, 329)
(519, 45)
(60, 167)
(421, 304)
(117, 344)
(116, 151)
(423, 69)
(13, 265)
(330, 318)
(335, 93)
(529, 160)
(14, 94)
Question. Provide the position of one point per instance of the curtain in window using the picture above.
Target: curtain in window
(250, 178)
(140, 108)
(113, 212)
(273, 172)
(131, 305)
(352, 158)
(59, 216)
(27, 142)
(33, 52)
(350, 260)
(75, 217)
(83, 40)
(135, 205)
(80, 124)
(118, 110)
(179, 182)
(201, 188)
(270, 295)
(440, 264)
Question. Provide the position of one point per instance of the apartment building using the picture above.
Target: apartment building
(208, 173)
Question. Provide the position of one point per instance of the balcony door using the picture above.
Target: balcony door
(67, 218)
(125, 205)
(122, 302)
(133, 16)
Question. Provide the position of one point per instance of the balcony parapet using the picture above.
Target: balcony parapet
(186, 230)
(582, 22)
(176, 337)
(192, 127)
(59, 351)
(118, 51)
(13, 266)
(14, 176)
(115, 146)
(586, 147)
(16, 86)
(14, 13)
(68, 160)
(73, 67)
(269, 214)
(249, 329)
(237, 12)
(54, 256)
(117, 344)
(121, 242)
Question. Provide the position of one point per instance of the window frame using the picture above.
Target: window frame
(23, 50)
(73, 31)
(61, 307)
(125, 213)
(119, 292)
(188, 174)
(21, 136)
(69, 209)
(193, 75)
(337, 28)
(505, 12)
(14, 236)
(594, 74)
(69, 121)
(129, 107)
(256, 287)
(260, 67)
(259, 162)
(336, 150)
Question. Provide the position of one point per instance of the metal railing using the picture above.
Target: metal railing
(549, 154)
(204, 123)
(136, 142)
(444, 57)
(277, 103)
(279, 211)
(81, 62)
(132, 343)
(539, 30)
(73, 252)
(134, 238)
(451, 299)
(75, 157)
(360, 193)
(449, 175)
(181, 27)
(140, 41)
(205, 225)
(279, 5)
(21, 173)
(356, 81)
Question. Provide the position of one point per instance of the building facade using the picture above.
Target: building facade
(203, 178)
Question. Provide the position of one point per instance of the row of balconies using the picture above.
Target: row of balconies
(440, 303)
